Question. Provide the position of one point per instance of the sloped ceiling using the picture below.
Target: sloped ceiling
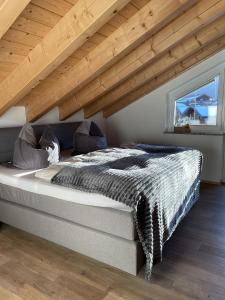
(100, 55)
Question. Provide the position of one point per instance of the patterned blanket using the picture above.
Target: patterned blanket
(160, 183)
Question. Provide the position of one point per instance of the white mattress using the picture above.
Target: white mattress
(26, 180)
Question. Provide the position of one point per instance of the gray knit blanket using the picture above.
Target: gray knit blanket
(160, 184)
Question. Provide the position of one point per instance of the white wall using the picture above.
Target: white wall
(16, 117)
(145, 120)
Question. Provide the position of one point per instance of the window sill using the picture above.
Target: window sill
(217, 133)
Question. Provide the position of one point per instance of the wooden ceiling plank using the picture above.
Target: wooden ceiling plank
(18, 49)
(139, 3)
(30, 26)
(59, 7)
(38, 14)
(20, 37)
(117, 21)
(166, 76)
(124, 39)
(9, 12)
(27, 32)
(107, 30)
(172, 57)
(129, 11)
(126, 13)
(192, 20)
(7, 66)
(82, 21)
(10, 57)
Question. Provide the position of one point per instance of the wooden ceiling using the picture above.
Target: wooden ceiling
(100, 55)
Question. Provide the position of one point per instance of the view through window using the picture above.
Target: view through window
(198, 107)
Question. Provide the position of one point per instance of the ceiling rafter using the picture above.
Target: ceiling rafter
(9, 12)
(166, 76)
(156, 14)
(134, 47)
(190, 22)
(81, 22)
(172, 57)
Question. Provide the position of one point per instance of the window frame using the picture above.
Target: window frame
(189, 87)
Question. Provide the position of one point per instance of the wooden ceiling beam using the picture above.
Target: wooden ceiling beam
(172, 57)
(166, 76)
(183, 26)
(151, 18)
(9, 12)
(81, 22)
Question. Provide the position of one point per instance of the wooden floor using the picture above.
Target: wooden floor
(193, 266)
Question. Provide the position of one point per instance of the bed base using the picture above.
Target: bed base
(126, 255)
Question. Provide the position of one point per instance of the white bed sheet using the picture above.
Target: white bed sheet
(27, 181)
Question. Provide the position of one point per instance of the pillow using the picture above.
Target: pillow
(85, 144)
(84, 128)
(27, 134)
(26, 156)
(95, 130)
(89, 128)
(50, 143)
(87, 138)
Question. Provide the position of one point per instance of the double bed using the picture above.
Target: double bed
(70, 205)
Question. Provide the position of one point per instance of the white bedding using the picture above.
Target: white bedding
(27, 181)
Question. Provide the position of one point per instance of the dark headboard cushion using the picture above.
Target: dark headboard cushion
(8, 136)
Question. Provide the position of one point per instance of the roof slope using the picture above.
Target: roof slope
(100, 55)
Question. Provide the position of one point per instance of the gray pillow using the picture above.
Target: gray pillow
(50, 143)
(84, 128)
(84, 143)
(27, 134)
(26, 156)
(87, 138)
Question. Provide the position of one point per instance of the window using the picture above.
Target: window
(197, 103)
(199, 107)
